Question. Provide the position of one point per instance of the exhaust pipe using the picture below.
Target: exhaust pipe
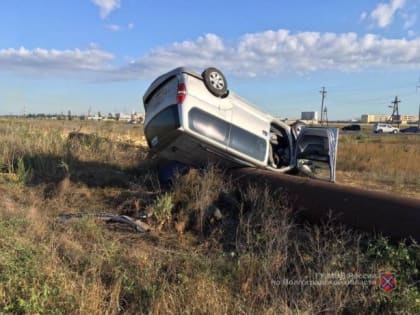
(394, 216)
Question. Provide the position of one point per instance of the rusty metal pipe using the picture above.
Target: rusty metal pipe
(394, 216)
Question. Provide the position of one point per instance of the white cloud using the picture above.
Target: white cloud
(363, 16)
(264, 54)
(384, 12)
(411, 33)
(47, 62)
(272, 53)
(117, 28)
(107, 6)
(409, 20)
(113, 27)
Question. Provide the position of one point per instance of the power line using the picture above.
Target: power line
(347, 89)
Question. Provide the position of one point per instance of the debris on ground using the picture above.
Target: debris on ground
(137, 225)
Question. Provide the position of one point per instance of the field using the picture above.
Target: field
(213, 248)
(380, 162)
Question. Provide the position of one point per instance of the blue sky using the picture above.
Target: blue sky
(102, 54)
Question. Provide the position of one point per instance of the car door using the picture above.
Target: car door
(248, 135)
(316, 152)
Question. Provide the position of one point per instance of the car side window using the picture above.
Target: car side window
(247, 143)
(208, 125)
(218, 130)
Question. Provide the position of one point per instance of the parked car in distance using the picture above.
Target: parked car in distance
(384, 128)
(195, 119)
(412, 129)
(352, 127)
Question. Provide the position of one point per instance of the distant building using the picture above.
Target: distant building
(309, 116)
(96, 118)
(133, 118)
(125, 117)
(409, 118)
(369, 118)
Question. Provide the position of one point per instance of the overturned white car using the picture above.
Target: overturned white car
(194, 119)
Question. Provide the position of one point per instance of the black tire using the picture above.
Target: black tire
(215, 82)
(394, 132)
(380, 131)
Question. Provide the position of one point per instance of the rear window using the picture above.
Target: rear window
(163, 123)
(164, 93)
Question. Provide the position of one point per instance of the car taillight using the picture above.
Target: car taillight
(181, 93)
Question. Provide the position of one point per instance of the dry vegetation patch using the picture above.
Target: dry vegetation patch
(214, 248)
(385, 162)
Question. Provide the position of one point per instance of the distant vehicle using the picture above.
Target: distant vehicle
(352, 127)
(384, 128)
(194, 119)
(412, 129)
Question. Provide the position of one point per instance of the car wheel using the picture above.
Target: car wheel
(215, 82)
(394, 132)
(380, 131)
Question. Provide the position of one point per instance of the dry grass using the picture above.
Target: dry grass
(385, 162)
(215, 249)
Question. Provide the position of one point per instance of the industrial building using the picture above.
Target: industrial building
(313, 116)
(370, 118)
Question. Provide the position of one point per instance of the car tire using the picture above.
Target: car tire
(394, 132)
(380, 131)
(215, 82)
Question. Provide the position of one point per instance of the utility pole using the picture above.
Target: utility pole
(395, 112)
(323, 92)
